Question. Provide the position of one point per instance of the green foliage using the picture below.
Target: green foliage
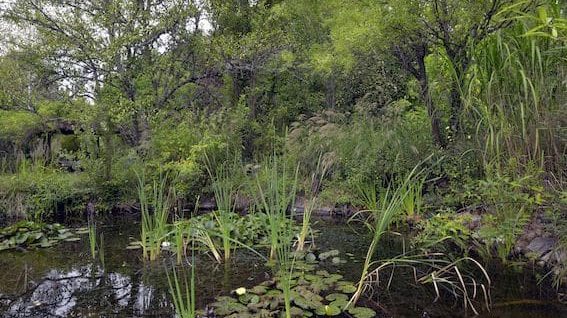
(37, 193)
(512, 202)
(183, 292)
(17, 125)
(155, 209)
(27, 234)
(442, 228)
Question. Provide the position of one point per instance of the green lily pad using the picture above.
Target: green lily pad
(225, 306)
(331, 253)
(258, 290)
(310, 258)
(346, 287)
(328, 310)
(362, 312)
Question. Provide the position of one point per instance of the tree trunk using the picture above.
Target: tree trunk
(425, 95)
(433, 114)
(456, 106)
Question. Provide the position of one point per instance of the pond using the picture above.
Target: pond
(63, 281)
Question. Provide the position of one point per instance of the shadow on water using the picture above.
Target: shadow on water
(63, 281)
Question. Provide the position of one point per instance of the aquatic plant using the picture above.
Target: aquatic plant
(92, 238)
(154, 225)
(274, 195)
(28, 234)
(381, 214)
(312, 200)
(225, 192)
(455, 277)
(183, 292)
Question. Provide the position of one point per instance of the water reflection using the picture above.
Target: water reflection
(84, 291)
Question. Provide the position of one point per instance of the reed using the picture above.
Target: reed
(274, 195)
(413, 201)
(183, 292)
(312, 200)
(516, 94)
(381, 215)
(155, 213)
(92, 238)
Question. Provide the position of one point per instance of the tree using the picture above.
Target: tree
(127, 57)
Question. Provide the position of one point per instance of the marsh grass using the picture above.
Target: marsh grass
(155, 213)
(275, 195)
(225, 191)
(381, 213)
(517, 94)
(312, 200)
(463, 278)
(182, 291)
(92, 238)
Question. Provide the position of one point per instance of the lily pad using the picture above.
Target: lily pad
(331, 253)
(328, 310)
(362, 312)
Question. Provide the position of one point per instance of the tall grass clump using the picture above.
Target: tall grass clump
(518, 94)
(183, 292)
(382, 208)
(92, 238)
(311, 200)
(225, 191)
(275, 194)
(155, 213)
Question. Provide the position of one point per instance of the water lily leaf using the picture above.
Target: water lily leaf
(225, 306)
(310, 258)
(362, 312)
(296, 312)
(258, 290)
(346, 287)
(337, 260)
(323, 273)
(333, 278)
(336, 296)
(328, 310)
(331, 253)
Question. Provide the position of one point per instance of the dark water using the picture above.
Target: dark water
(65, 282)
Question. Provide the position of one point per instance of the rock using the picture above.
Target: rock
(541, 245)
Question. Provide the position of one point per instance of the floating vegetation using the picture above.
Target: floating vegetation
(313, 292)
(28, 234)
